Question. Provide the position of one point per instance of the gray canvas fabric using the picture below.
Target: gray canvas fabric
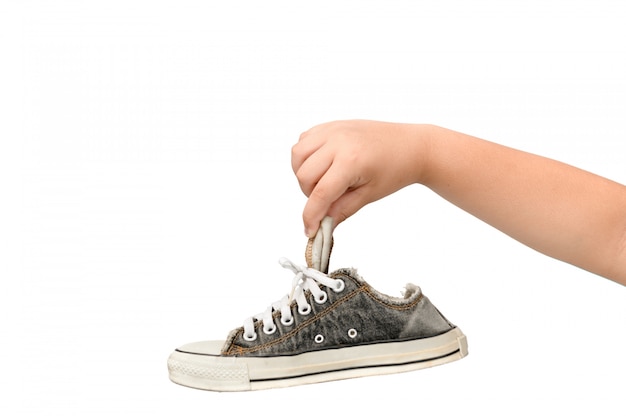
(358, 315)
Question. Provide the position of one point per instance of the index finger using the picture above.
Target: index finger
(331, 186)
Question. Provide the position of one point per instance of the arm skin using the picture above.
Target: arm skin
(557, 209)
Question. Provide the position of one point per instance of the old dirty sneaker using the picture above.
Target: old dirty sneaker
(329, 327)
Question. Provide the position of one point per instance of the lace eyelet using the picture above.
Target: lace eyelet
(305, 310)
(341, 285)
(322, 299)
(288, 322)
(352, 333)
(319, 338)
(270, 330)
(249, 337)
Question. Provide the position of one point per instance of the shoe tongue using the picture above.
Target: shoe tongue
(318, 248)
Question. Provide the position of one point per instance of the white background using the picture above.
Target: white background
(147, 194)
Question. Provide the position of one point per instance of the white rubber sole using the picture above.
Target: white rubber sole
(200, 366)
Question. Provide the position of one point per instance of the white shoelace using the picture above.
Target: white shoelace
(305, 279)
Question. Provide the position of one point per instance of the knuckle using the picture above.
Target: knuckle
(296, 159)
(295, 150)
(306, 183)
(303, 135)
(320, 193)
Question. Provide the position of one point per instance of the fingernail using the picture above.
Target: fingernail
(306, 232)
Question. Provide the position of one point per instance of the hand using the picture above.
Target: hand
(344, 165)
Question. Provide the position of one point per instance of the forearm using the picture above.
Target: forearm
(557, 209)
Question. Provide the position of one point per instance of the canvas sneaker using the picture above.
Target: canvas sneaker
(329, 327)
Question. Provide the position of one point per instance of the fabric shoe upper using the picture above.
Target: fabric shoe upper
(355, 315)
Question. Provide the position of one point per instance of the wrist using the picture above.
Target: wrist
(421, 152)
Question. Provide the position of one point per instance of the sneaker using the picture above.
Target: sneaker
(330, 327)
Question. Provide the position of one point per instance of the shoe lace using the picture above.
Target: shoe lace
(305, 279)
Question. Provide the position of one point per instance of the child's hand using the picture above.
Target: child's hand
(557, 209)
(342, 166)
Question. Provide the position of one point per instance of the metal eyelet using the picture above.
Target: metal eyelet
(270, 330)
(288, 322)
(341, 285)
(249, 338)
(319, 338)
(322, 299)
(352, 333)
(305, 310)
